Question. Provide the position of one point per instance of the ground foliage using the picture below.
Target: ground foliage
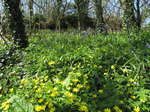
(68, 71)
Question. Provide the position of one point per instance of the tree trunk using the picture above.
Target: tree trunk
(129, 17)
(31, 13)
(138, 18)
(99, 16)
(16, 25)
(82, 12)
(58, 24)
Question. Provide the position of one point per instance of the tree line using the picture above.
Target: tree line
(79, 14)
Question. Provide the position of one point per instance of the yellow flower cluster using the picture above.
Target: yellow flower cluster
(117, 109)
(5, 105)
(136, 109)
(83, 108)
(39, 108)
(107, 110)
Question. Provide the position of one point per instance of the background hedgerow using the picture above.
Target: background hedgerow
(92, 73)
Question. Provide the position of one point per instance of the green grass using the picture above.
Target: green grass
(71, 72)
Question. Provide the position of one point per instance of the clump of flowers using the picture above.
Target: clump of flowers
(5, 105)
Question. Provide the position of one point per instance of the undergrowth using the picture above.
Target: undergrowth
(92, 73)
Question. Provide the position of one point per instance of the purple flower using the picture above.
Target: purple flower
(148, 45)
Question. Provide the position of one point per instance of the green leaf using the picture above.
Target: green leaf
(21, 104)
(67, 81)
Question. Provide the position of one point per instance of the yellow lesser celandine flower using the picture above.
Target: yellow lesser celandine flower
(26, 95)
(56, 80)
(77, 104)
(35, 87)
(73, 68)
(95, 66)
(40, 100)
(112, 67)
(79, 86)
(49, 99)
(51, 63)
(100, 91)
(125, 70)
(85, 76)
(55, 88)
(43, 107)
(94, 96)
(105, 73)
(142, 100)
(133, 97)
(20, 87)
(40, 96)
(75, 89)
(68, 88)
(100, 66)
(136, 109)
(90, 56)
(117, 109)
(0, 87)
(31, 101)
(37, 79)
(5, 105)
(52, 110)
(121, 102)
(131, 80)
(68, 94)
(11, 90)
(24, 81)
(62, 82)
(70, 101)
(1, 95)
(46, 103)
(73, 96)
(54, 94)
(75, 80)
(78, 74)
(83, 108)
(42, 84)
(50, 105)
(38, 108)
(38, 90)
(46, 77)
(71, 84)
(85, 82)
(107, 110)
